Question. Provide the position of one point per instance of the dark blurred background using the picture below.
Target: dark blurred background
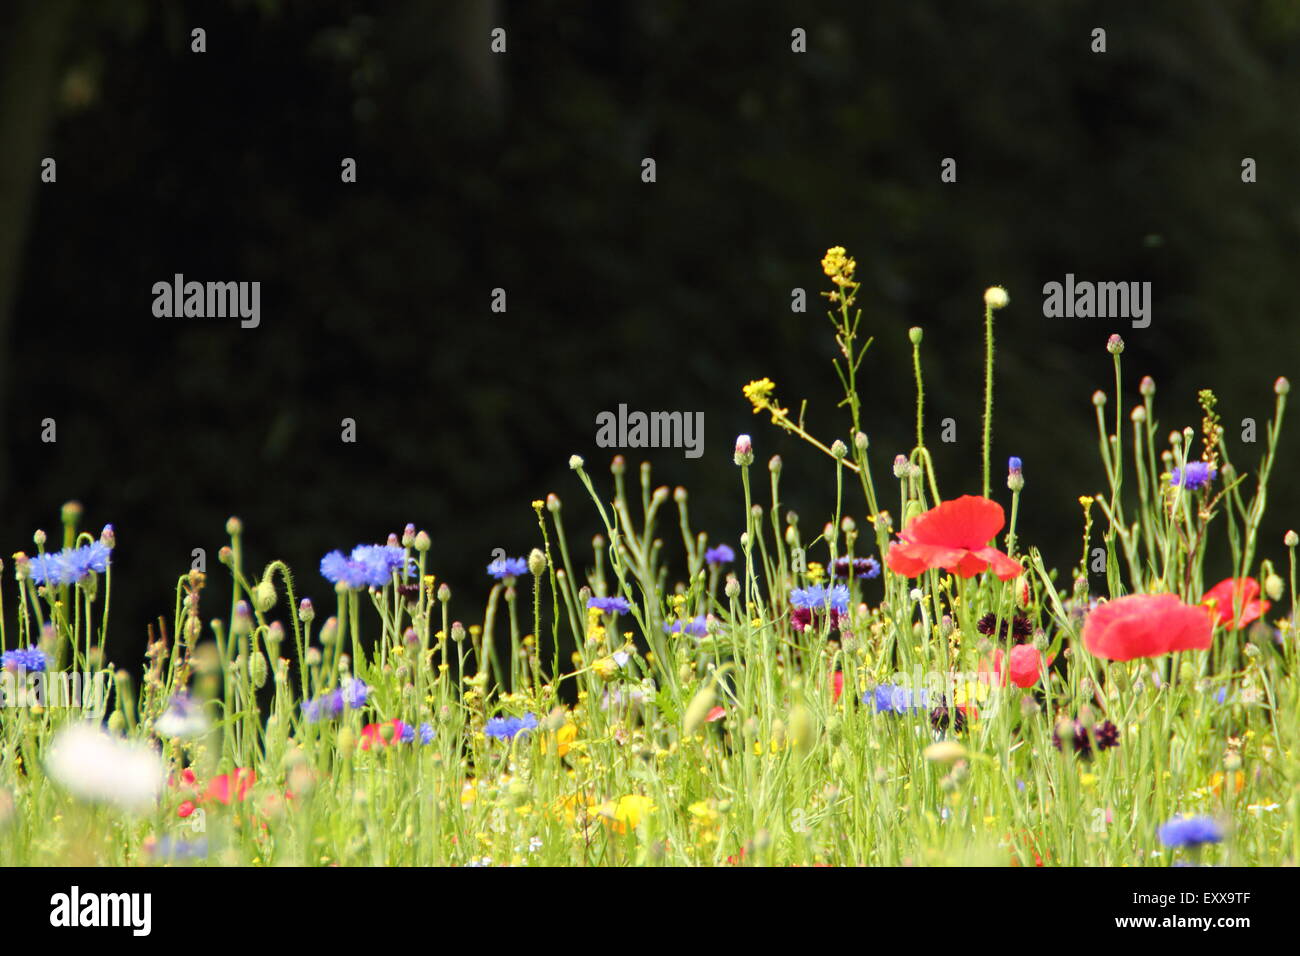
(522, 171)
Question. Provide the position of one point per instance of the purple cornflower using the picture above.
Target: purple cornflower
(1197, 474)
(507, 728)
(696, 627)
(31, 660)
(863, 568)
(610, 605)
(369, 565)
(408, 733)
(507, 568)
(1190, 831)
(722, 554)
(426, 733)
(69, 565)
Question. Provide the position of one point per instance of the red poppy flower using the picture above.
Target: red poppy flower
(372, 735)
(837, 685)
(717, 713)
(1221, 602)
(1145, 625)
(186, 809)
(229, 787)
(1026, 664)
(953, 536)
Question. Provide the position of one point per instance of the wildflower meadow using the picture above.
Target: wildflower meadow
(896, 679)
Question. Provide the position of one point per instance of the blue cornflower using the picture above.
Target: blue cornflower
(369, 565)
(894, 700)
(610, 605)
(69, 565)
(426, 733)
(507, 728)
(818, 598)
(408, 733)
(350, 695)
(696, 627)
(809, 598)
(1013, 464)
(340, 569)
(1190, 831)
(31, 660)
(722, 554)
(507, 568)
(1197, 474)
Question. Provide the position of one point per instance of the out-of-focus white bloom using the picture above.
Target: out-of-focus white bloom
(182, 718)
(93, 765)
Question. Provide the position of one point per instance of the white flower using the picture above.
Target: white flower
(93, 765)
(183, 718)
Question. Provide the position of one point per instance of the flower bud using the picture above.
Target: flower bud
(264, 596)
(732, 586)
(995, 297)
(1282, 386)
(1139, 414)
(915, 333)
(258, 669)
(234, 526)
(1147, 386)
(744, 450)
(1273, 587)
(422, 542)
(839, 450)
(575, 462)
(774, 465)
(1099, 398)
(1291, 539)
(900, 466)
(1114, 345)
(618, 465)
(536, 562)
(306, 612)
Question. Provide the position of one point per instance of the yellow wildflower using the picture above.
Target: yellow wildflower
(627, 812)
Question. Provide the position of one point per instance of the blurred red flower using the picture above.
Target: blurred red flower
(1221, 601)
(229, 787)
(1145, 625)
(953, 536)
(372, 734)
(1026, 663)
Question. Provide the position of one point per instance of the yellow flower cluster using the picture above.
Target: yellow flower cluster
(839, 267)
(759, 393)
